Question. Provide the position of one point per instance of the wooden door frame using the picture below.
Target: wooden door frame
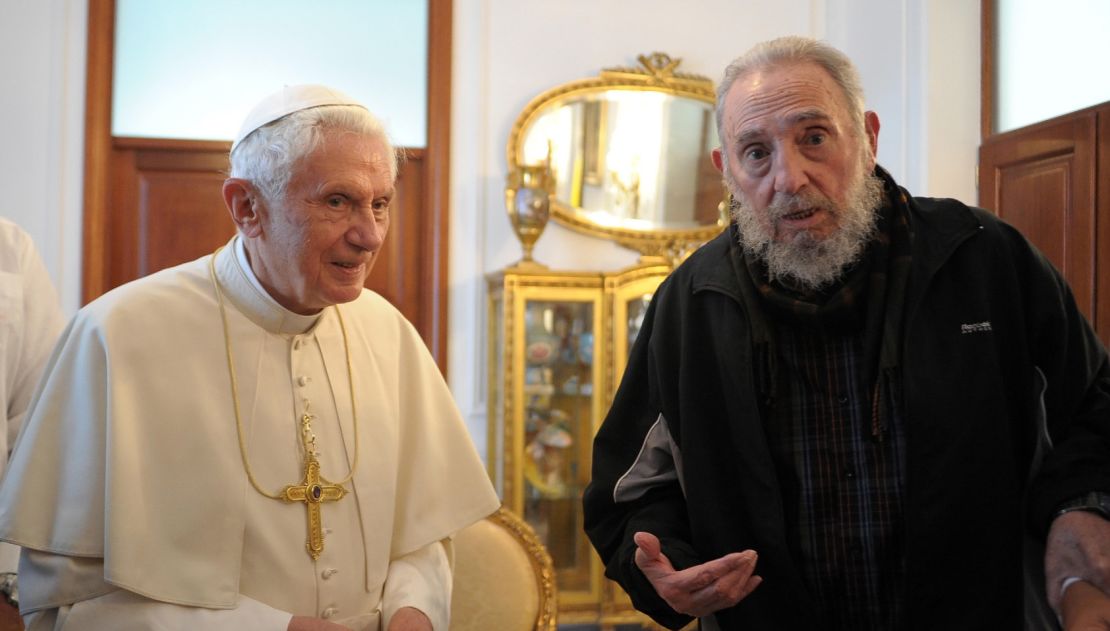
(987, 51)
(98, 156)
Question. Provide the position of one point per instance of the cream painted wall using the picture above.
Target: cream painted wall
(42, 97)
(919, 60)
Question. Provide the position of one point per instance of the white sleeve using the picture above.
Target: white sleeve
(422, 580)
(69, 594)
(122, 610)
(40, 322)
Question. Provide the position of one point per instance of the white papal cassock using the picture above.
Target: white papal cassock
(128, 491)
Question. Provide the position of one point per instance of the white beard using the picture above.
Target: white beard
(806, 262)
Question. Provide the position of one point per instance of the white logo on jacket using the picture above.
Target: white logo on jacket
(976, 327)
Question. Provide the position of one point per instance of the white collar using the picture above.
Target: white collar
(242, 288)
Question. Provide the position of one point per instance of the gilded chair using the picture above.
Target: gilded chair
(504, 578)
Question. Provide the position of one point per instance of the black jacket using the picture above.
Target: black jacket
(984, 311)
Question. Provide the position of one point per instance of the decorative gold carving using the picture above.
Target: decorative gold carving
(659, 69)
(542, 565)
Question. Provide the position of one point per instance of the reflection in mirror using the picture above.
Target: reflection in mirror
(631, 158)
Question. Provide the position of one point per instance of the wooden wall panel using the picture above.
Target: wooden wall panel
(167, 205)
(396, 274)
(1041, 180)
(181, 216)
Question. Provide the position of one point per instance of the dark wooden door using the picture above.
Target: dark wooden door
(1042, 180)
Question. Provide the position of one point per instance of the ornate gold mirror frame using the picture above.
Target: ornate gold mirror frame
(657, 73)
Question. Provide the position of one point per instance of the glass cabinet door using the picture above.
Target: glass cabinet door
(628, 295)
(559, 342)
(558, 430)
(546, 413)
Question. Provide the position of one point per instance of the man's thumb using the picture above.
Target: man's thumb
(649, 544)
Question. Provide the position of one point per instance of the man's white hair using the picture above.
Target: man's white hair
(268, 155)
(790, 50)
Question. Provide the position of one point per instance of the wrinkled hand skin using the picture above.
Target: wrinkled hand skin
(702, 589)
(304, 623)
(406, 619)
(409, 619)
(1078, 545)
(9, 618)
(1085, 608)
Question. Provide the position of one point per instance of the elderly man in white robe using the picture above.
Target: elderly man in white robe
(251, 440)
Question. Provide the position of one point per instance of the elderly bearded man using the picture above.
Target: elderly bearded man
(846, 383)
(251, 440)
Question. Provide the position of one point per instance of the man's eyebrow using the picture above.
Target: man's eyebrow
(749, 135)
(800, 116)
(807, 114)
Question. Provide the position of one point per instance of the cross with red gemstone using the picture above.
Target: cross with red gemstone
(312, 491)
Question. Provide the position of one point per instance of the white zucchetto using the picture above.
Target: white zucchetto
(291, 98)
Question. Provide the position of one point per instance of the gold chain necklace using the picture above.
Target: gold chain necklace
(310, 491)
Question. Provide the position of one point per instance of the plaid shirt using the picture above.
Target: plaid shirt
(847, 487)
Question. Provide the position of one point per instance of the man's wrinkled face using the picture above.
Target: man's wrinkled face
(799, 169)
(318, 243)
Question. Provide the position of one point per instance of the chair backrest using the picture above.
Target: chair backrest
(504, 578)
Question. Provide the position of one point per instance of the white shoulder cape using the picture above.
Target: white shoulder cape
(130, 451)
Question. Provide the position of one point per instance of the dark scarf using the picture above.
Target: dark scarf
(871, 294)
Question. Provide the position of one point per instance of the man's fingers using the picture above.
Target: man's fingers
(647, 542)
(701, 576)
(722, 594)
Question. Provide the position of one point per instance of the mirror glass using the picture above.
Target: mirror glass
(630, 158)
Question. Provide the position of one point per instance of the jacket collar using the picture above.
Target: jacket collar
(939, 226)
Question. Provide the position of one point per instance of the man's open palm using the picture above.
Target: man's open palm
(700, 590)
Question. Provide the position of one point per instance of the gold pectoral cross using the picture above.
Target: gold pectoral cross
(312, 491)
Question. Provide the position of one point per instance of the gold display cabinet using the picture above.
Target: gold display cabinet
(559, 342)
(625, 157)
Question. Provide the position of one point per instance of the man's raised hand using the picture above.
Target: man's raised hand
(700, 590)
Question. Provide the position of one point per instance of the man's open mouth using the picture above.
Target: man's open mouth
(801, 214)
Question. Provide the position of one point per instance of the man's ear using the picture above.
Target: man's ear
(871, 129)
(244, 204)
(717, 162)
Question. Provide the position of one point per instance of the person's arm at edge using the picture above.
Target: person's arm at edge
(1077, 406)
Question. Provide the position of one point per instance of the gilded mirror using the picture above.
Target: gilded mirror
(629, 152)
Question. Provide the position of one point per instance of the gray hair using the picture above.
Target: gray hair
(267, 156)
(794, 49)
